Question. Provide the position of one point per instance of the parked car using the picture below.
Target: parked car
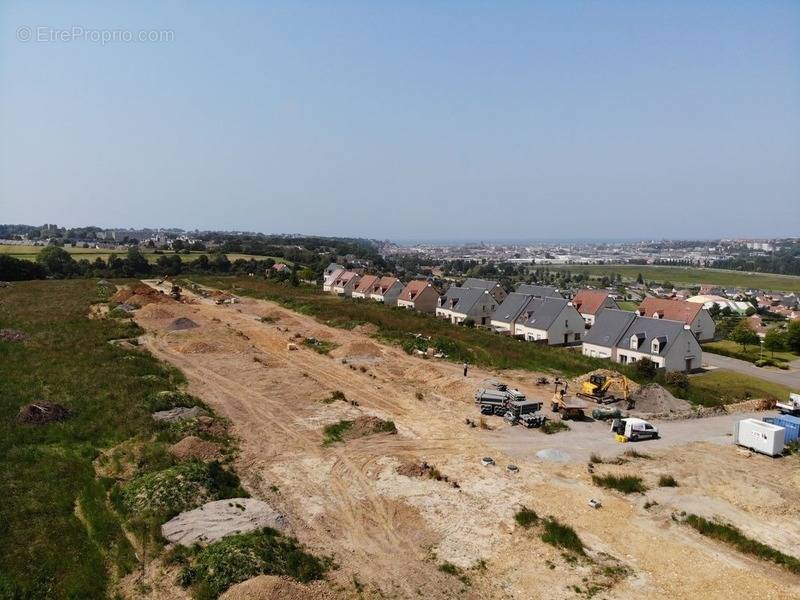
(634, 429)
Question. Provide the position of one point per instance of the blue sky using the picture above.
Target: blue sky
(412, 120)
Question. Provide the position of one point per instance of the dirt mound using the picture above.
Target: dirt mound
(181, 324)
(141, 295)
(199, 348)
(363, 348)
(41, 413)
(751, 405)
(12, 335)
(368, 425)
(215, 520)
(156, 312)
(269, 587)
(194, 448)
(652, 398)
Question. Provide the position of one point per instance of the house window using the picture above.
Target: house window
(634, 342)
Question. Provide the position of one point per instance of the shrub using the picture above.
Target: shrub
(562, 536)
(334, 432)
(239, 557)
(627, 484)
(732, 536)
(550, 427)
(678, 379)
(667, 481)
(526, 517)
(636, 454)
(646, 368)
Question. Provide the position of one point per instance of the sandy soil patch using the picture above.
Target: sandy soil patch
(215, 520)
(193, 448)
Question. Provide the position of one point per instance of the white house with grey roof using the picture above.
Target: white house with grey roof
(460, 303)
(551, 321)
(626, 338)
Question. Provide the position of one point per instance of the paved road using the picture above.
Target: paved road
(790, 378)
(587, 437)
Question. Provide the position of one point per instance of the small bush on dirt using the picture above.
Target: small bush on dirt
(636, 454)
(667, 481)
(334, 432)
(239, 557)
(526, 517)
(732, 536)
(418, 395)
(678, 379)
(551, 427)
(596, 458)
(627, 484)
(168, 399)
(319, 346)
(562, 536)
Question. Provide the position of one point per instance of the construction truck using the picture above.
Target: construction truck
(634, 429)
(598, 389)
(567, 408)
(792, 407)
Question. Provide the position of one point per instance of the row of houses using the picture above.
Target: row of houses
(665, 331)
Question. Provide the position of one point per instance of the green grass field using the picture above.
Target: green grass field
(721, 386)
(751, 354)
(689, 275)
(48, 552)
(24, 252)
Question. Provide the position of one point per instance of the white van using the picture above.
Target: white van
(634, 429)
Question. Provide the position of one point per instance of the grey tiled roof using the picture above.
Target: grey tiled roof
(544, 311)
(609, 325)
(539, 291)
(513, 305)
(463, 298)
(481, 284)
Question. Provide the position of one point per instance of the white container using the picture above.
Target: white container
(759, 436)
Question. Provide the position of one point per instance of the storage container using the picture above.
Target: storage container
(759, 436)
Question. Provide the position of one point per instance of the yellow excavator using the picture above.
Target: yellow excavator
(598, 388)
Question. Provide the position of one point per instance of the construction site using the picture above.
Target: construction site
(428, 488)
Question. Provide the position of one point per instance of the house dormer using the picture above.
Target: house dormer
(658, 344)
(636, 340)
(659, 314)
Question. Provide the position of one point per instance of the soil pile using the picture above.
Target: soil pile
(215, 520)
(194, 448)
(652, 398)
(360, 348)
(156, 312)
(181, 324)
(12, 335)
(269, 587)
(41, 413)
(199, 348)
(141, 295)
(368, 425)
(751, 405)
(180, 413)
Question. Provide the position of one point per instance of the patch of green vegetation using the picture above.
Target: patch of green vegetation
(179, 488)
(320, 346)
(752, 354)
(333, 433)
(525, 517)
(667, 481)
(734, 537)
(550, 427)
(627, 484)
(688, 276)
(335, 395)
(720, 387)
(562, 536)
(633, 453)
(215, 568)
(455, 571)
(167, 399)
(46, 470)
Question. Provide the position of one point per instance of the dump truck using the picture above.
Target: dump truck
(524, 411)
(598, 389)
(568, 408)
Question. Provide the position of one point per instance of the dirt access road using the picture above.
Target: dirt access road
(390, 533)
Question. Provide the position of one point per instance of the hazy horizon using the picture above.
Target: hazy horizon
(470, 121)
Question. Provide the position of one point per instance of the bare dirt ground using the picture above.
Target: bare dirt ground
(389, 533)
